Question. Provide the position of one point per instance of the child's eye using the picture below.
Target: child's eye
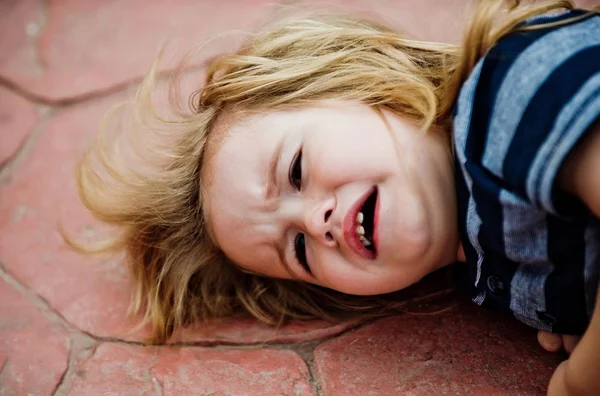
(300, 252)
(296, 171)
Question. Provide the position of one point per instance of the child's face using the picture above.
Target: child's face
(283, 192)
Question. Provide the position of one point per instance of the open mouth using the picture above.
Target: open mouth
(365, 222)
(360, 225)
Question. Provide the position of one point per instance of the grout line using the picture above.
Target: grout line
(81, 350)
(307, 353)
(292, 345)
(158, 386)
(63, 377)
(68, 101)
(79, 342)
(82, 345)
(115, 88)
(3, 367)
(39, 302)
(56, 317)
(21, 152)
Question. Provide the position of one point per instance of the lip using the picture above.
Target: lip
(350, 235)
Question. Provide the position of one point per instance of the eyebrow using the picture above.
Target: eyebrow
(272, 187)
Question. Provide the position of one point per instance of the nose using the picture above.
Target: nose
(318, 220)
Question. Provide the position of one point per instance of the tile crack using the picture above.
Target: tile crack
(37, 301)
(16, 157)
(3, 367)
(81, 350)
(93, 94)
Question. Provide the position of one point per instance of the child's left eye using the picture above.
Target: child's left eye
(295, 175)
(300, 252)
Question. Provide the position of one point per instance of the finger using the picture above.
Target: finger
(549, 341)
(570, 342)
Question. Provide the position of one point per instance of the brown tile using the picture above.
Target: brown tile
(462, 351)
(20, 23)
(40, 193)
(429, 20)
(92, 46)
(125, 369)
(17, 118)
(33, 351)
(250, 331)
(73, 48)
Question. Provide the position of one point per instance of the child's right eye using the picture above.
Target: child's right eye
(295, 175)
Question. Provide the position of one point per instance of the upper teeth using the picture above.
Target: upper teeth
(360, 217)
(360, 230)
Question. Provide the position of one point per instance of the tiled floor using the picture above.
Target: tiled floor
(63, 328)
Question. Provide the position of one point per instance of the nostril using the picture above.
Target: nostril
(327, 214)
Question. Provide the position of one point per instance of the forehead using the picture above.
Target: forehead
(241, 147)
(237, 168)
(238, 152)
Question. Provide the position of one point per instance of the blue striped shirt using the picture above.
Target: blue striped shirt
(531, 249)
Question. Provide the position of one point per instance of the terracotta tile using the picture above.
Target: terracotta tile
(93, 45)
(73, 48)
(463, 351)
(429, 290)
(125, 369)
(41, 193)
(33, 352)
(252, 372)
(20, 23)
(17, 118)
(429, 20)
(250, 331)
(116, 369)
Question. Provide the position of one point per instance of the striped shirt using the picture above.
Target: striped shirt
(531, 249)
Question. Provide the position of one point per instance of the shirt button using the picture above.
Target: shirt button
(495, 284)
(546, 318)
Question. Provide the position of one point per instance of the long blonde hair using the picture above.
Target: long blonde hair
(180, 276)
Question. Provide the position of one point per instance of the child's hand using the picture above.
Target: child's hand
(570, 379)
(580, 374)
(556, 342)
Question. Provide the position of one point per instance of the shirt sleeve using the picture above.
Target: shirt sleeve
(537, 97)
(570, 99)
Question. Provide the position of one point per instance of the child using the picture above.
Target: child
(330, 162)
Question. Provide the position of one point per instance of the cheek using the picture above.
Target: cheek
(352, 156)
(337, 274)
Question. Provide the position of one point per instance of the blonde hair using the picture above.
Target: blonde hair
(180, 276)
